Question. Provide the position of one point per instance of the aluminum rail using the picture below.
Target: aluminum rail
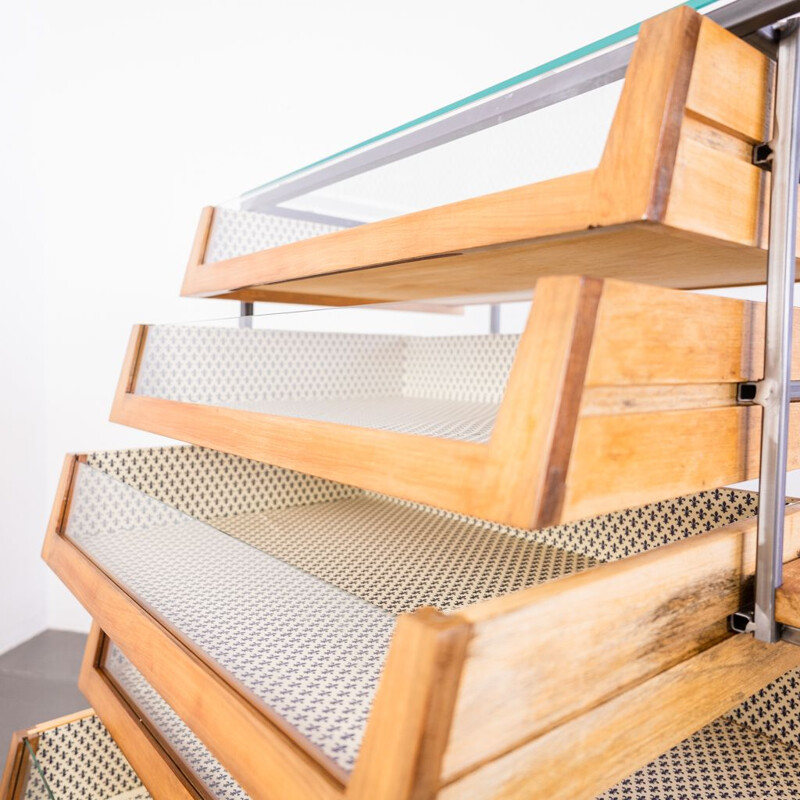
(745, 18)
(776, 391)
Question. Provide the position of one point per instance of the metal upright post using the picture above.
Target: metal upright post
(774, 393)
(245, 315)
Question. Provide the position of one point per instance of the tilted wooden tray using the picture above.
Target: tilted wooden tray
(674, 201)
(166, 755)
(554, 690)
(71, 757)
(618, 395)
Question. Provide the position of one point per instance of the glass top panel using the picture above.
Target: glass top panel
(603, 45)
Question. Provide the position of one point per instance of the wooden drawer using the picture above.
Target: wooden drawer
(613, 396)
(70, 757)
(322, 641)
(167, 756)
(675, 200)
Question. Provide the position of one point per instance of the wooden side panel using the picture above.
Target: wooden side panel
(630, 459)
(11, 782)
(650, 335)
(592, 752)
(633, 179)
(731, 84)
(532, 439)
(571, 644)
(400, 757)
(152, 763)
(787, 598)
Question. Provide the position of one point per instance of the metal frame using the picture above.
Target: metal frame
(776, 390)
(748, 19)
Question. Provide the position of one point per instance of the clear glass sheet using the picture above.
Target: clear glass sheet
(535, 73)
(156, 711)
(34, 782)
(439, 375)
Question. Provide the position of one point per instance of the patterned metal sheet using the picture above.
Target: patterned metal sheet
(440, 386)
(723, 761)
(104, 772)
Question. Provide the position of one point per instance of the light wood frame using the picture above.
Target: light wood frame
(159, 768)
(556, 691)
(674, 201)
(12, 783)
(620, 394)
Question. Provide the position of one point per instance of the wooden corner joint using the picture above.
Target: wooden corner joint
(407, 732)
(198, 251)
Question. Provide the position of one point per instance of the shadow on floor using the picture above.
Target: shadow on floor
(39, 682)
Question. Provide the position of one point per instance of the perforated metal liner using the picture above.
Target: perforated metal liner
(440, 386)
(722, 761)
(237, 233)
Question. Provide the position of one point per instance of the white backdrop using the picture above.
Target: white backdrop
(120, 120)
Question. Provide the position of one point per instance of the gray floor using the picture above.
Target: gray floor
(39, 681)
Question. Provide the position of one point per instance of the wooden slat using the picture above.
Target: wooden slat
(787, 598)
(519, 214)
(570, 644)
(156, 767)
(411, 467)
(263, 758)
(722, 63)
(592, 752)
(532, 440)
(630, 459)
(633, 182)
(400, 757)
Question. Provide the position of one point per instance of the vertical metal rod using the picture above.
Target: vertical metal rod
(245, 315)
(774, 390)
(494, 318)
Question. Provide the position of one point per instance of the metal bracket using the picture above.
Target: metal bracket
(744, 622)
(751, 393)
(762, 155)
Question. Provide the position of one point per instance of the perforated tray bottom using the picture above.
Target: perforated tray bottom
(722, 761)
(419, 416)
